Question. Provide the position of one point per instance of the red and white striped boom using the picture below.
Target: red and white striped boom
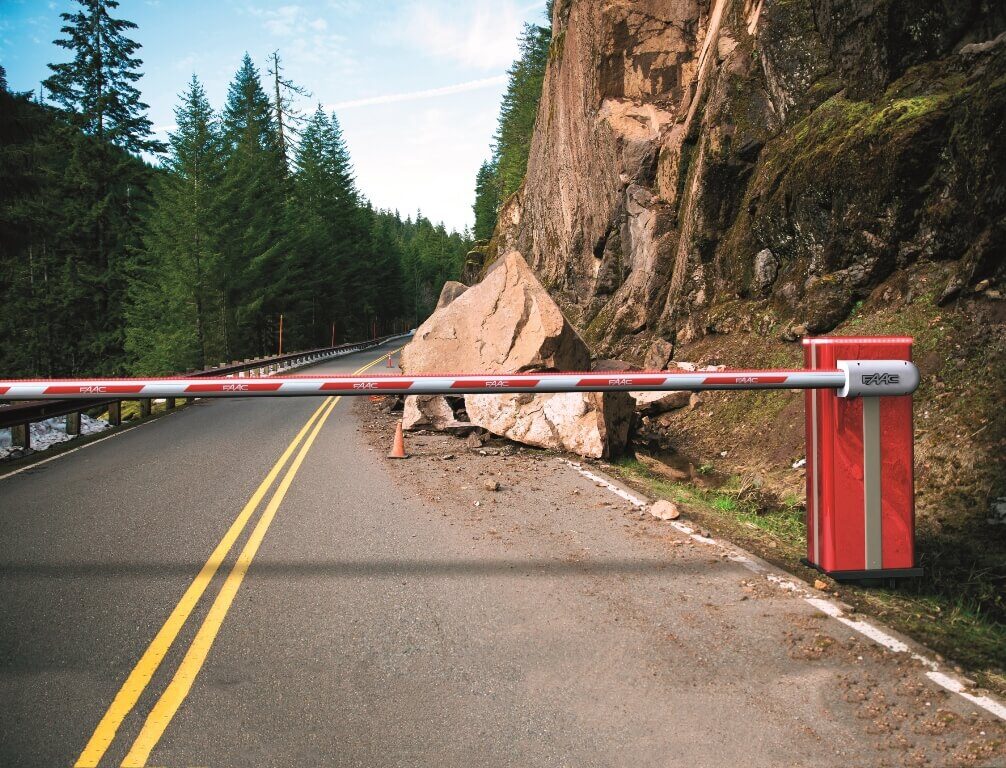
(851, 378)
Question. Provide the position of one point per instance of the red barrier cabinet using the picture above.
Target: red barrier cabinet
(860, 474)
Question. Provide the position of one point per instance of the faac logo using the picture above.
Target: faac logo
(235, 387)
(93, 390)
(619, 382)
(880, 379)
(496, 383)
(365, 385)
(747, 380)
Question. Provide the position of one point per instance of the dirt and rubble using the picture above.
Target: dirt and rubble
(701, 615)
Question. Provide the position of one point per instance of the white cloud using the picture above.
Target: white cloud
(305, 40)
(188, 63)
(481, 34)
(447, 90)
(288, 20)
(345, 7)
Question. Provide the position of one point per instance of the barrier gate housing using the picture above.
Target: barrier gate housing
(860, 476)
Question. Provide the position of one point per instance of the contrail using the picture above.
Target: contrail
(429, 93)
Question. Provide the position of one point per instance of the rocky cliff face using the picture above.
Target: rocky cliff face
(789, 155)
(710, 180)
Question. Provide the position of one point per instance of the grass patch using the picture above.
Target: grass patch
(735, 500)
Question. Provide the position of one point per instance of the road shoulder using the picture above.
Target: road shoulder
(880, 686)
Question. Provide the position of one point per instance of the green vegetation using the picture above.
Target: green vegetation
(110, 265)
(734, 499)
(502, 175)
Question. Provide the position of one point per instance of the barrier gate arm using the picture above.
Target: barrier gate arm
(860, 476)
(849, 378)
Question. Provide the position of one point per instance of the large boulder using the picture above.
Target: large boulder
(655, 403)
(427, 412)
(508, 323)
(433, 411)
(594, 424)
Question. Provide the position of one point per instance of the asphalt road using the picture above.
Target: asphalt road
(362, 613)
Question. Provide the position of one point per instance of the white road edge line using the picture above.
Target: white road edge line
(40, 462)
(828, 607)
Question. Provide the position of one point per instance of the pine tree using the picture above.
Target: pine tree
(288, 118)
(333, 231)
(500, 177)
(253, 199)
(520, 108)
(22, 344)
(174, 317)
(97, 88)
(106, 186)
(312, 267)
(487, 200)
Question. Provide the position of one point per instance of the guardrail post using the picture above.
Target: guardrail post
(144, 407)
(860, 474)
(73, 423)
(115, 412)
(20, 435)
(169, 403)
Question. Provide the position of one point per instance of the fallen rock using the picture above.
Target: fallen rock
(426, 412)
(665, 510)
(509, 324)
(451, 290)
(459, 428)
(821, 585)
(492, 485)
(593, 424)
(505, 324)
(655, 403)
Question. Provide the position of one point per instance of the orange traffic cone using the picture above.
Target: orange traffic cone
(398, 447)
(389, 362)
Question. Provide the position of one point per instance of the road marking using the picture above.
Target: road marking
(985, 702)
(828, 607)
(145, 668)
(173, 696)
(127, 427)
(620, 492)
(181, 683)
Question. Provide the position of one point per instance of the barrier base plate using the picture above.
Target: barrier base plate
(870, 578)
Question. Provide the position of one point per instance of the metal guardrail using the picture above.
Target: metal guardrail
(18, 416)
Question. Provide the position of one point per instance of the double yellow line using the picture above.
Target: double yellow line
(181, 683)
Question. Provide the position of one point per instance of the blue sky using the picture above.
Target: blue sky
(416, 83)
